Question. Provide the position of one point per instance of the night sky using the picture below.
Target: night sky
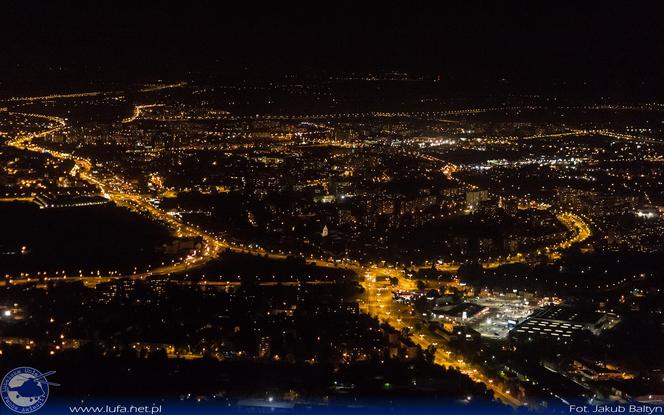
(522, 42)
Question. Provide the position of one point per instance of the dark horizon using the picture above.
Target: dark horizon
(604, 49)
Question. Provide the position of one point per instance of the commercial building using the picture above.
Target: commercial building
(563, 323)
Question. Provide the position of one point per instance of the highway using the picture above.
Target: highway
(379, 303)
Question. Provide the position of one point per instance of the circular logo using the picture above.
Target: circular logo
(24, 390)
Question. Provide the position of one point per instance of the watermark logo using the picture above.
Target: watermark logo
(25, 390)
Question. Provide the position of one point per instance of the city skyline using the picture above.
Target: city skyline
(369, 208)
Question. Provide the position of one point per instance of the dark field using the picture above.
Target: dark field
(88, 239)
